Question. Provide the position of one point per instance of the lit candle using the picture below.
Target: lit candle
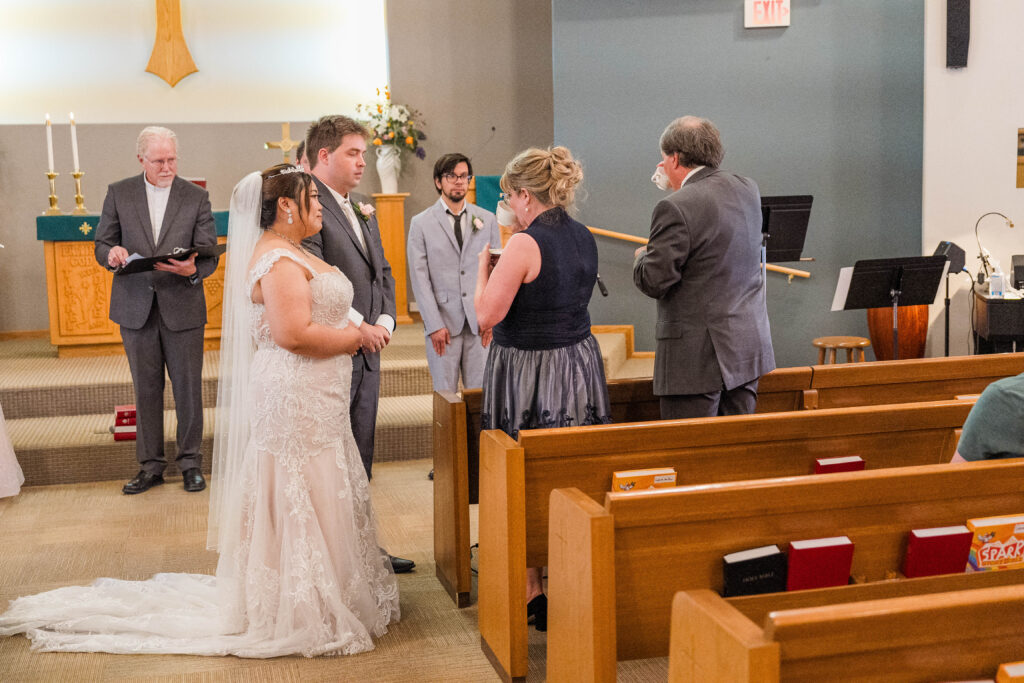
(49, 143)
(74, 141)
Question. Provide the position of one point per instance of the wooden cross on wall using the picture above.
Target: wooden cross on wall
(285, 144)
(170, 59)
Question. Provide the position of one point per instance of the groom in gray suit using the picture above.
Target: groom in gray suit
(702, 265)
(442, 246)
(350, 240)
(162, 313)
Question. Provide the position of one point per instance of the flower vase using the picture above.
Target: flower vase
(389, 165)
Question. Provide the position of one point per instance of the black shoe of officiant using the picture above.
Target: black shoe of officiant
(193, 480)
(143, 481)
(400, 565)
(537, 609)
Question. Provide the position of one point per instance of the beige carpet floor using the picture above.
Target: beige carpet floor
(61, 535)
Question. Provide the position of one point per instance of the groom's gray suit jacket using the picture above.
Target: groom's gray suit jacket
(372, 284)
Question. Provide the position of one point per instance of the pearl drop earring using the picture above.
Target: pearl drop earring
(290, 221)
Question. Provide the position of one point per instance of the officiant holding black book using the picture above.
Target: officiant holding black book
(161, 312)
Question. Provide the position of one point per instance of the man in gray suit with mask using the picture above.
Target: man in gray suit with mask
(350, 240)
(443, 244)
(162, 313)
(702, 264)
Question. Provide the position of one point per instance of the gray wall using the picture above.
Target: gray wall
(830, 106)
(468, 67)
(465, 66)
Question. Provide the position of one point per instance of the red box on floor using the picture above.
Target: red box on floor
(126, 433)
(124, 411)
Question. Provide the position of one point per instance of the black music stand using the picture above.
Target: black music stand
(784, 226)
(877, 283)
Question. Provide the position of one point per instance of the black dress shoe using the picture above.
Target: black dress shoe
(401, 565)
(143, 481)
(537, 609)
(194, 481)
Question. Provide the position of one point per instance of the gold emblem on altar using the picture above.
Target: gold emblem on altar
(85, 228)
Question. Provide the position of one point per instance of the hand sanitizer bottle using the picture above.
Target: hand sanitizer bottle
(996, 283)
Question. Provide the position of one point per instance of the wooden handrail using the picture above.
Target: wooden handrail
(789, 272)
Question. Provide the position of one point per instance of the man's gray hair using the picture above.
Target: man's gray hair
(151, 133)
(695, 140)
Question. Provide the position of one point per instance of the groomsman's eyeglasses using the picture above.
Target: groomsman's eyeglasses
(451, 177)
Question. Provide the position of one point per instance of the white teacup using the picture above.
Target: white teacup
(506, 217)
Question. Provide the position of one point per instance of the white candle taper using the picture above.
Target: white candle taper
(74, 141)
(49, 143)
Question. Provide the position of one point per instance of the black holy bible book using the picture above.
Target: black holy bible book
(758, 570)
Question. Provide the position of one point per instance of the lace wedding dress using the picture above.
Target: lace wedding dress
(300, 569)
(11, 477)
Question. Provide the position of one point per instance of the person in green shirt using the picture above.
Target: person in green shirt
(995, 426)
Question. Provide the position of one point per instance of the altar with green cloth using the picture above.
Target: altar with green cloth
(78, 288)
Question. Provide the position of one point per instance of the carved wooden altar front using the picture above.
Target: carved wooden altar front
(78, 289)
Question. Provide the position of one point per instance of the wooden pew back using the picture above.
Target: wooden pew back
(903, 381)
(734, 448)
(669, 540)
(721, 640)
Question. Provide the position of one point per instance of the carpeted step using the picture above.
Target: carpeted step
(38, 384)
(78, 448)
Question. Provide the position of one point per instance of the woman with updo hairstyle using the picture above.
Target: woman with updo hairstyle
(544, 367)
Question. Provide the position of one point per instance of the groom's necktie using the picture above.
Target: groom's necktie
(458, 227)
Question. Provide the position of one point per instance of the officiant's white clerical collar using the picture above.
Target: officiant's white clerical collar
(690, 175)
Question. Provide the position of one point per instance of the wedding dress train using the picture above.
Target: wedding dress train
(300, 569)
(11, 476)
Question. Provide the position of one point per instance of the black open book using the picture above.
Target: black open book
(141, 264)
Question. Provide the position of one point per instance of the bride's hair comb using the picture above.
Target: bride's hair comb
(285, 171)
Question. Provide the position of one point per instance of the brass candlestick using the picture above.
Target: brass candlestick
(53, 210)
(80, 209)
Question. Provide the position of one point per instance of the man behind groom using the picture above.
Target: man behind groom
(350, 240)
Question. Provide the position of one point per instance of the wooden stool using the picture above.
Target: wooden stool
(854, 348)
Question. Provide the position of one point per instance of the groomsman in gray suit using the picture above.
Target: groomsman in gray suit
(702, 264)
(162, 313)
(350, 240)
(443, 244)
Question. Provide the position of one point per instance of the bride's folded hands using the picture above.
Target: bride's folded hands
(288, 298)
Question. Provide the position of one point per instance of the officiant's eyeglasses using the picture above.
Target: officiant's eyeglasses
(169, 161)
(451, 177)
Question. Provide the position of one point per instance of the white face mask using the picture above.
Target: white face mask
(660, 178)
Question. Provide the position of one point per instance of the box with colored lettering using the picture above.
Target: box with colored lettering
(998, 543)
(638, 480)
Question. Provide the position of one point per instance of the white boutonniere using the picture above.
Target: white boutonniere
(477, 223)
(365, 211)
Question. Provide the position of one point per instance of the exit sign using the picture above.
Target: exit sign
(765, 13)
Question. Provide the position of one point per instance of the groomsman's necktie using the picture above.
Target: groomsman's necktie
(458, 228)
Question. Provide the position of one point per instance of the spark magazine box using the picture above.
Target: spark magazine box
(638, 480)
(998, 543)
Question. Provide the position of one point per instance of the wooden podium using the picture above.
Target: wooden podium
(78, 288)
(391, 221)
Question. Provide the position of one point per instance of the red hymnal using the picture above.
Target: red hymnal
(123, 421)
(942, 550)
(124, 411)
(201, 182)
(819, 563)
(126, 433)
(849, 463)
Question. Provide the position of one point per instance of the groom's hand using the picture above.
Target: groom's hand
(374, 337)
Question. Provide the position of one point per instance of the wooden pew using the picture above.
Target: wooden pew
(613, 569)
(456, 457)
(457, 426)
(940, 628)
(903, 381)
(517, 477)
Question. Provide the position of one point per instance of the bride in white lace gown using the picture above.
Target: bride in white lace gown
(300, 568)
